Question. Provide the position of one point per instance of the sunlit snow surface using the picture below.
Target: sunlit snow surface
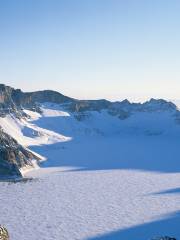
(97, 183)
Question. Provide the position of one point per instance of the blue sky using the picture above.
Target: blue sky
(111, 49)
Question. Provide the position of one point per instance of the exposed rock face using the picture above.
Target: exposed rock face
(13, 156)
(13, 100)
(45, 96)
(88, 105)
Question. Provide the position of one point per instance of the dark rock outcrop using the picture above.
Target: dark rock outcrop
(14, 100)
(4, 235)
(13, 156)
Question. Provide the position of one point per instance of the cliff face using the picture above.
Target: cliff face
(6, 102)
(13, 156)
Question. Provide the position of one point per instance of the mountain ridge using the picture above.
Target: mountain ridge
(12, 100)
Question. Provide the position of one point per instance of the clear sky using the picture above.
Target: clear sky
(92, 48)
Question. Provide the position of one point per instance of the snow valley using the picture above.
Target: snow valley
(95, 169)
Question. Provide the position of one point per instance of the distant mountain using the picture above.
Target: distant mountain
(13, 100)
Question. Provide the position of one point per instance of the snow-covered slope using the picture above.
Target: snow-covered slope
(27, 133)
(54, 120)
(55, 126)
(112, 173)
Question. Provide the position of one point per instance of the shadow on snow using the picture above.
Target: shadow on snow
(149, 153)
(169, 226)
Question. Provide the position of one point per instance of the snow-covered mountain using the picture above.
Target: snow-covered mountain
(48, 117)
